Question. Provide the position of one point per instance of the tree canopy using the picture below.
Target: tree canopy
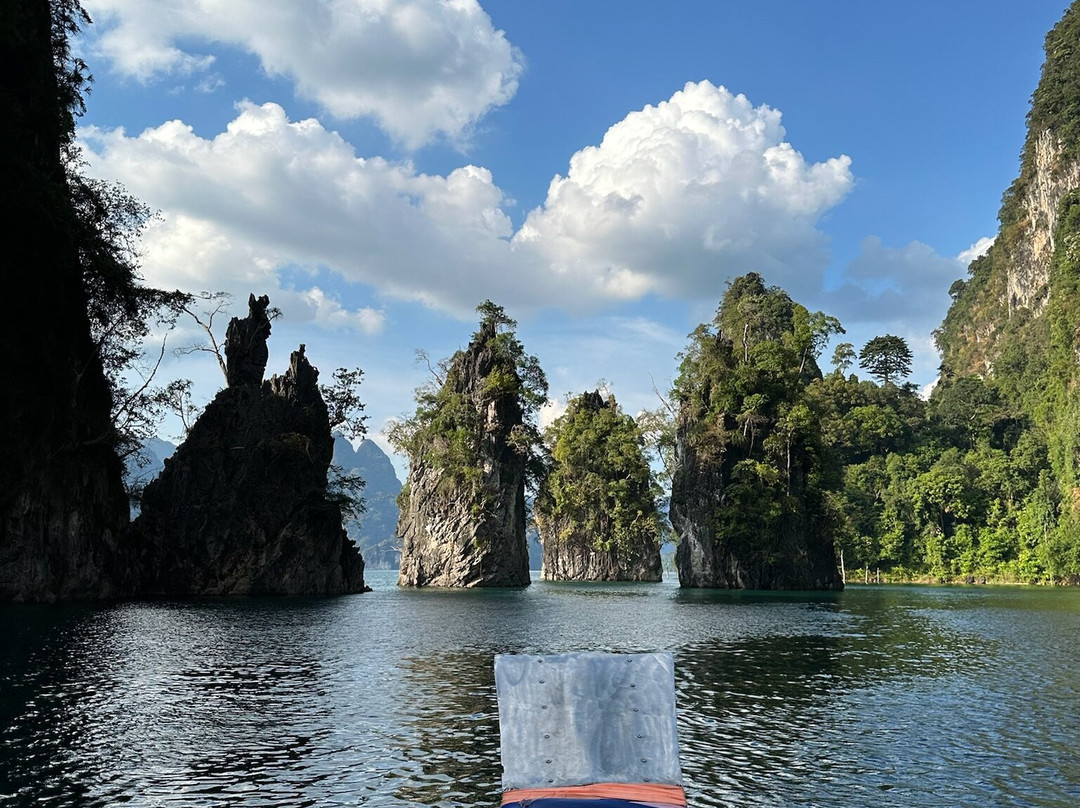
(600, 490)
(886, 358)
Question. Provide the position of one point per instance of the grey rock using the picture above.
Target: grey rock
(704, 560)
(241, 507)
(455, 535)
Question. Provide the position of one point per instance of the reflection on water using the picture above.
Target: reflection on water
(910, 696)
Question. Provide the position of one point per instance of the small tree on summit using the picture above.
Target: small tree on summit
(886, 358)
(843, 357)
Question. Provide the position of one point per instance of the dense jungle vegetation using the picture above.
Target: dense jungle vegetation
(960, 487)
(599, 490)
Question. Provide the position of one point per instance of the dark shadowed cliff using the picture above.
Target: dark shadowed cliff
(242, 506)
(62, 505)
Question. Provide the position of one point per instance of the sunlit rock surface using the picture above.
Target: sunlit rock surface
(457, 534)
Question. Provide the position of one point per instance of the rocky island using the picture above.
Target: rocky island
(597, 510)
(242, 505)
(745, 501)
(469, 446)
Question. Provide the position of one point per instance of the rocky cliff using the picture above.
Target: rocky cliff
(597, 510)
(242, 506)
(712, 559)
(747, 500)
(576, 558)
(463, 519)
(62, 505)
(794, 551)
(1015, 322)
(1000, 306)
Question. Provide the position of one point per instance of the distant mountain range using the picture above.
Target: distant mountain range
(375, 531)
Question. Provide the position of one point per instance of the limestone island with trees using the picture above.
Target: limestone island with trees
(782, 475)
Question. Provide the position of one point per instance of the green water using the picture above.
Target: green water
(877, 696)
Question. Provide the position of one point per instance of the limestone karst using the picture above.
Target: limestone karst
(463, 514)
(597, 511)
(242, 506)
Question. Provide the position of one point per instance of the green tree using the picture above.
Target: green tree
(811, 332)
(600, 490)
(843, 357)
(887, 358)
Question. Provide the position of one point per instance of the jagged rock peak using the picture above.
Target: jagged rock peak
(300, 383)
(242, 507)
(462, 523)
(246, 353)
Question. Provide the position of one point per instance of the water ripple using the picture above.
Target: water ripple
(876, 696)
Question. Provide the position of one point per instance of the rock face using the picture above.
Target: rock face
(241, 508)
(469, 530)
(1002, 304)
(63, 509)
(597, 513)
(705, 559)
(246, 352)
(581, 560)
(746, 499)
(1052, 177)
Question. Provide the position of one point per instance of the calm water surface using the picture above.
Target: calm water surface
(877, 696)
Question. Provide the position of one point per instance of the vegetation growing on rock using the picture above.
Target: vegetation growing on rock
(597, 508)
(748, 499)
(473, 446)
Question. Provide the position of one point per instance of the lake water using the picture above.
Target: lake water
(876, 696)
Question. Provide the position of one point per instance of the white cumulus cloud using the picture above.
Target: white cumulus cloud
(683, 195)
(418, 67)
(676, 200)
(976, 250)
(269, 195)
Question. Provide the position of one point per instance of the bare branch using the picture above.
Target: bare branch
(205, 320)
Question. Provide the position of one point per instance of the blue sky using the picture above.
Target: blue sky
(600, 169)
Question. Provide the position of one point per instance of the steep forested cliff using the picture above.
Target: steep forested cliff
(749, 493)
(997, 326)
(597, 509)
(471, 445)
(1011, 339)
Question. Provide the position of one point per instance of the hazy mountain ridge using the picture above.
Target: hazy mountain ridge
(375, 531)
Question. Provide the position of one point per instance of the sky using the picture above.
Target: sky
(601, 170)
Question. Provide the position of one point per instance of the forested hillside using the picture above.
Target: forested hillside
(981, 481)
